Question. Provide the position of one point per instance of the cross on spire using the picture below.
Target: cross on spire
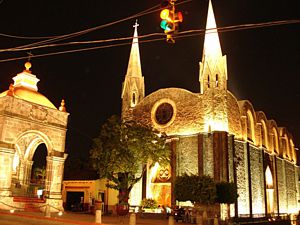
(136, 24)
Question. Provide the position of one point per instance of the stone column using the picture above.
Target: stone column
(55, 168)
(6, 166)
(27, 172)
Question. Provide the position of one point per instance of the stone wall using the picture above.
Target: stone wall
(291, 190)
(187, 155)
(208, 155)
(281, 185)
(242, 177)
(18, 116)
(257, 180)
(231, 158)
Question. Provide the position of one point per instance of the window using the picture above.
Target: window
(208, 82)
(217, 80)
(133, 101)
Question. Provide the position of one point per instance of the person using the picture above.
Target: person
(81, 204)
(187, 215)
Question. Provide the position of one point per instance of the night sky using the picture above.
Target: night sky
(263, 63)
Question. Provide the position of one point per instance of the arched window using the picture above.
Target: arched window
(133, 99)
(217, 80)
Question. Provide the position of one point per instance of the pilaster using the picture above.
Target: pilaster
(6, 166)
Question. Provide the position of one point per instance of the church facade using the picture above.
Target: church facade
(27, 120)
(213, 133)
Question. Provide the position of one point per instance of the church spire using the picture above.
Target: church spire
(213, 68)
(212, 47)
(133, 90)
(134, 64)
(213, 77)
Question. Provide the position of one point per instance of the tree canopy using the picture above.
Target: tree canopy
(226, 192)
(123, 149)
(194, 188)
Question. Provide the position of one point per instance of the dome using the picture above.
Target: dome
(25, 88)
(30, 96)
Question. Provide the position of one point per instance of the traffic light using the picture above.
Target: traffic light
(167, 20)
(170, 20)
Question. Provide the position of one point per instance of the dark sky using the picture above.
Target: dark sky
(263, 63)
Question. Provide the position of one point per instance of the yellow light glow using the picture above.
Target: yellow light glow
(270, 200)
(215, 125)
(164, 14)
(269, 178)
(151, 175)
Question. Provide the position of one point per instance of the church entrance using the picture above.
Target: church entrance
(159, 185)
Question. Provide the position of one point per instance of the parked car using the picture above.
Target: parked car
(179, 214)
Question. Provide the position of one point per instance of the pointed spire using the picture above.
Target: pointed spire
(134, 64)
(212, 46)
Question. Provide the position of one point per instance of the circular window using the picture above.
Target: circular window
(164, 113)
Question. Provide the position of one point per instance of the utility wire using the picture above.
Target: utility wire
(220, 30)
(147, 11)
(183, 34)
(78, 33)
(71, 35)
(81, 42)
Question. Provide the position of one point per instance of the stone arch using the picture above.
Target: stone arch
(31, 139)
(26, 144)
(250, 127)
(264, 133)
(284, 143)
(274, 137)
(248, 120)
(292, 149)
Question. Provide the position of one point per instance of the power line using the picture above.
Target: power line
(80, 42)
(182, 34)
(67, 36)
(78, 33)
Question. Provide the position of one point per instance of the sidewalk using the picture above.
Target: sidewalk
(84, 219)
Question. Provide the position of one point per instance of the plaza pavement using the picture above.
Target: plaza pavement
(68, 218)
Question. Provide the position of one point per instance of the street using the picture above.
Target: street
(30, 218)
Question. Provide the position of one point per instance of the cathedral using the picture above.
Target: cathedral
(213, 133)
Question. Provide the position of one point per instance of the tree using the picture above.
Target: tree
(200, 190)
(197, 189)
(123, 149)
(226, 194)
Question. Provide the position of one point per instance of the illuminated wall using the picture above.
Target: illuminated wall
(257, 178)
(242, 178)
(187, 155)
